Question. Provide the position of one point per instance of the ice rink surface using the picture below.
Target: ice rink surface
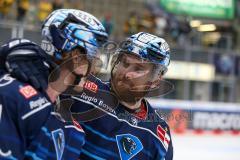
(206, 147)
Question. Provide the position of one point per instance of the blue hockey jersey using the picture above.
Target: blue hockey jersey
(120, 134)
(29, 127)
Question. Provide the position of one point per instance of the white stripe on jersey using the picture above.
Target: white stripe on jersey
(0, 112)
(35, 110)
(72, 126)
(5, 154)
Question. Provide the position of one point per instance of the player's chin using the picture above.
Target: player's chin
(129, 99)
(126, 95)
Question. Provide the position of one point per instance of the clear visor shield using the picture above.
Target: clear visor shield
(78, 83)
(135, 77)
(93, 44)
(75, 69)
(97, 59)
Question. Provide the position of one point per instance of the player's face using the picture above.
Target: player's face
(130, 75)
(81, 65)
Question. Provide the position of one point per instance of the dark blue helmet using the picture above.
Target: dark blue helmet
(148, 47)
(66, 29)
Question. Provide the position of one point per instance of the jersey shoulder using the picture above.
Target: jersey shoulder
(21, 97)
(11, 87)
(158, 126)
(155, 115)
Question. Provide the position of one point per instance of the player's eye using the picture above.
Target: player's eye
(125, 64)
(138, 69)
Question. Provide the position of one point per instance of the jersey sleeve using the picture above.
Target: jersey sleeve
(11, 141)
(169, 155)
(169, 151)
(23, 111)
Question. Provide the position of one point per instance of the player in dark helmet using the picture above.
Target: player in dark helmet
(133, 130)
(138, 67)
(29, 125)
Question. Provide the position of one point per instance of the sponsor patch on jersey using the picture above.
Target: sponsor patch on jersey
(164, 137)
(91, 86)
(128, 146)
(59, 142)
(41, 101)
(28, 91)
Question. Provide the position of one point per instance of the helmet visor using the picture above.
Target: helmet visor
(133, 77)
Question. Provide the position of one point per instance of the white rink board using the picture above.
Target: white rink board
(206, 147)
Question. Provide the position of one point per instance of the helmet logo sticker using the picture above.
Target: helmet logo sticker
(145, 38)
(165, 46)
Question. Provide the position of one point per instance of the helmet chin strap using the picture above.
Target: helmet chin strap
(76, 82)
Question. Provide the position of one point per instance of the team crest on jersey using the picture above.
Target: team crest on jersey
(59, 142)
(128, 146)
(6, 80)
(28, 91)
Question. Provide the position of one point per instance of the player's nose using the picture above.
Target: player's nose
(130, 75)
